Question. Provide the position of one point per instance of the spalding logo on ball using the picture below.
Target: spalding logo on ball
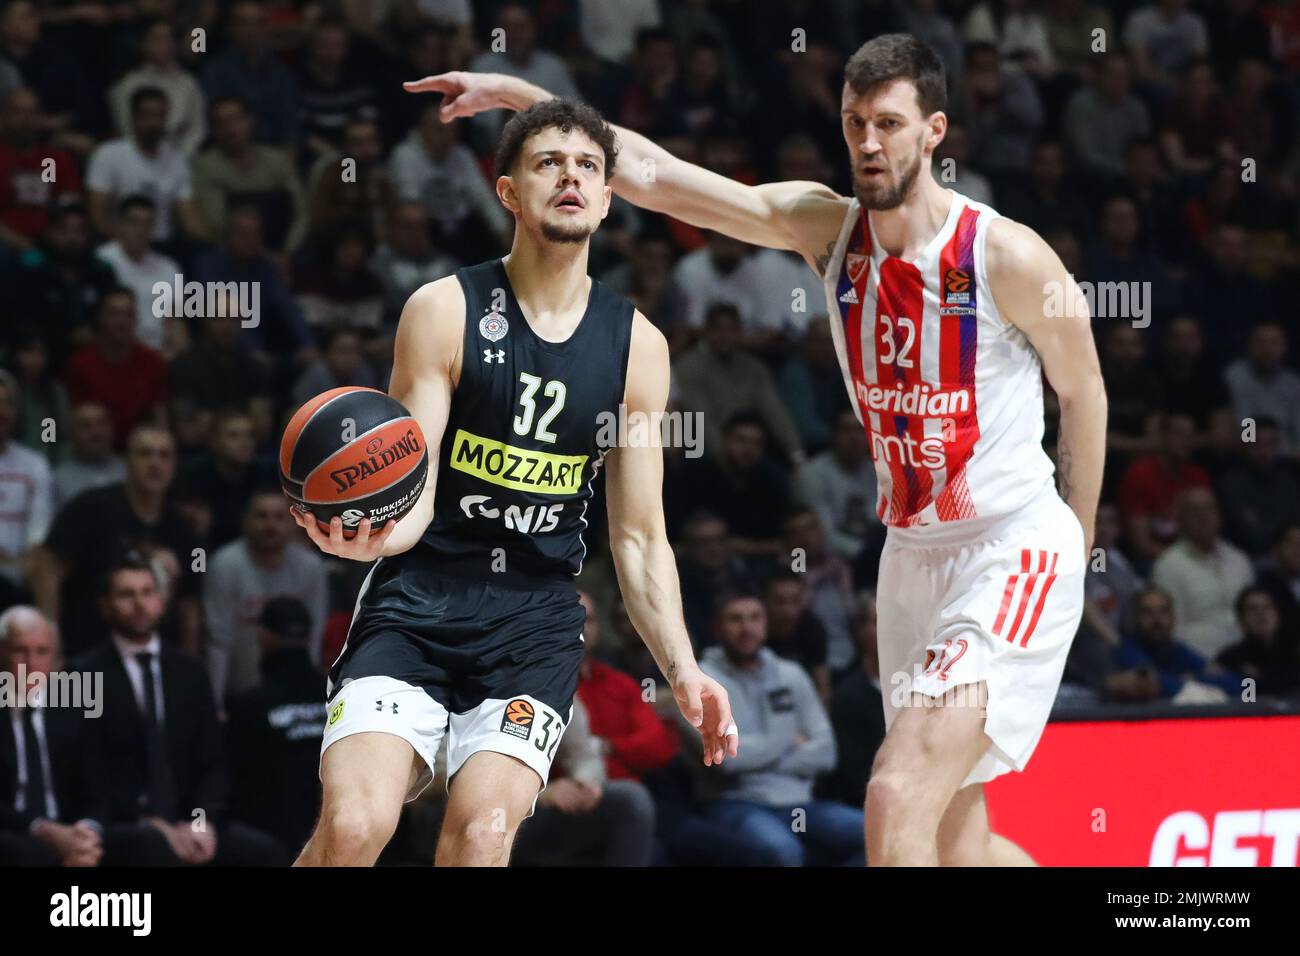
(356, 453)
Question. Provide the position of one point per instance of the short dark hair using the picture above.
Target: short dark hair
(110, 292)
(129, 560)
(264, 489)
(783, 576)
(146, 93)
(798, 511)
(728, 596)
(564, 115)
(136, 201)
(647, 35)
(720, 309)
(227, 99)
(899, 56)
(742, 418)
(1283, 533)
(1247, 592)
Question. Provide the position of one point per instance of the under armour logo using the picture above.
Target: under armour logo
(379, 706)
(498, 356)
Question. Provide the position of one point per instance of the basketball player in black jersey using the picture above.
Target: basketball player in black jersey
(469, 623)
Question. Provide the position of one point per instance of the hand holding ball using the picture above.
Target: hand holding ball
(356, 454)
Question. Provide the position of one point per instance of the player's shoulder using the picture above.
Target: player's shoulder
(1012, 249)
(432, 326)
(437, 305)
(648, 341)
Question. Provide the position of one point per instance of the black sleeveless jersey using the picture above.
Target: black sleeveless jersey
(526, 436)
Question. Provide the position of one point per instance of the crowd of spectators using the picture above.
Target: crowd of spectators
(148, 144)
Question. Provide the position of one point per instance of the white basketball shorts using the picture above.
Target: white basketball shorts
(1003, 610)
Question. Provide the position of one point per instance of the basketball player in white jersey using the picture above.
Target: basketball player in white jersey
(945, 317)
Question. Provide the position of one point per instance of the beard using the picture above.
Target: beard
(566, 232)
(134, 629)
(886, 197)
(740, 657)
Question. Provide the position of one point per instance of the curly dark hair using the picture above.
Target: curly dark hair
(565, 115)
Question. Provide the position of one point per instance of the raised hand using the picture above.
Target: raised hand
(467, 94)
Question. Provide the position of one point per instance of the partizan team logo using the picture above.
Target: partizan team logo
(493, 326)
(518, 719)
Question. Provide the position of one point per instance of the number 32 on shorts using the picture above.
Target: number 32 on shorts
(549, 735)
(940, 663)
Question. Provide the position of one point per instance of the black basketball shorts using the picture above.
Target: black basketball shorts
(430, 655)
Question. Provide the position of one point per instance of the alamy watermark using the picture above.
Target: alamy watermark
(635, 429)
(1103, 300)
(76, 690)
(181, 299)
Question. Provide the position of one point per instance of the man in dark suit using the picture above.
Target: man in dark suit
(50, 806)
(159, 740)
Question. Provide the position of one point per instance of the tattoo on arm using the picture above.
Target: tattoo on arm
(671, 673)
(1064, 465)
(825, 258)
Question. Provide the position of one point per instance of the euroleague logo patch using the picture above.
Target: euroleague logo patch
(518, 719)
(956, 287)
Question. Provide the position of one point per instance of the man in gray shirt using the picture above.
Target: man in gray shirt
(1101, 120)
(266, 562)
(788, 741)
(840, 485)
(1263, 387)
(93, 463)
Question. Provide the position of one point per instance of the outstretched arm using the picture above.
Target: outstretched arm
(647, 573)
(801, 216)
(1026, 275)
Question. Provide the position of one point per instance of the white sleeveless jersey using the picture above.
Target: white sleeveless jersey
(950, 394)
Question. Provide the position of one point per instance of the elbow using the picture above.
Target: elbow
(632, 542)
(1089, 393)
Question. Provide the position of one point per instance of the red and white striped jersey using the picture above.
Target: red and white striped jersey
(950, 394)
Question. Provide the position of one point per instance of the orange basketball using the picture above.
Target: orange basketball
(356, 453)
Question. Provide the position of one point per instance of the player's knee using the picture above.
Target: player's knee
(890, 795)
(355, 829)
(479, 837)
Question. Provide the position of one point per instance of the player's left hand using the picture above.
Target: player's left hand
(704, 702)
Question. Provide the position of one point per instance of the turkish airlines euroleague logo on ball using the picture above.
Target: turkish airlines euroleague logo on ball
(518, 719)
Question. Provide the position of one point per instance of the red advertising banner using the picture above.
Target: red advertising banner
(1187, 792)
